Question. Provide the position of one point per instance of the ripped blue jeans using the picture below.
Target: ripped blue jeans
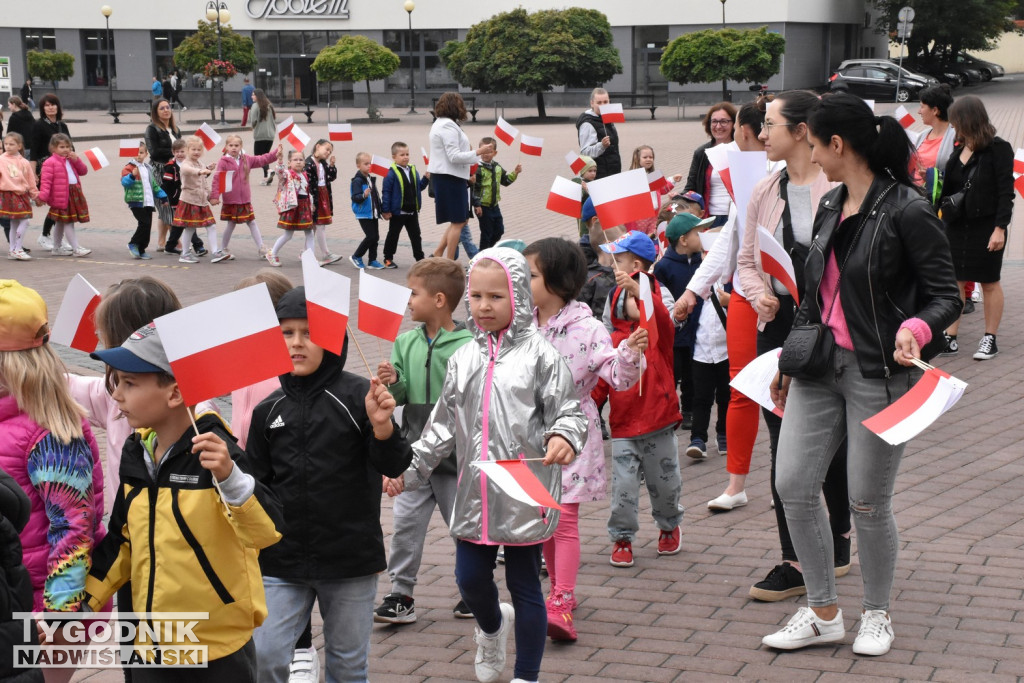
(819, 415)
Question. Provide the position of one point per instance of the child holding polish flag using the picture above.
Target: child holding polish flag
(142, 191)
(321, 171)
(643, 157)
(193, 210)
(507, 395)
(293, 204)
(17, 189)
(237, 207)
(60, 186)
(490, 178)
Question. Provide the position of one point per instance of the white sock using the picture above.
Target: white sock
(320, 232)
(69, 232)
(254, 230)
(281, 241)
(309, 240)
(186, 240)
(57, 235)
(18, 228)
(211, 237)
(226, 237)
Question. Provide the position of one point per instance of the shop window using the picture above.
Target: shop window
(95, 53)
(39, 39)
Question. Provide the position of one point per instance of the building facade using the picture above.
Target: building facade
(288, 34)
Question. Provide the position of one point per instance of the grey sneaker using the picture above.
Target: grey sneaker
(491, 651)
(188, 257)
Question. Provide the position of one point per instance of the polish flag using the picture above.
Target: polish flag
(285, 127)
(382, 306)
(903, 116)
(327, 303)
(473, 169)
(225, 343)
(755, 379)
(934, 394)
(209, 136)
(426, 157)
(645, 302)
(97, 159)
(339, 132)
(297, 137)
(575, 162)
(1019, 185)
(621, 198)
(718, 155)
(505, 132)
(1018, 161)
(514, 478)
(75, 326)
(379, 166)
(612, 113)
(225, 181)
(530, 145)
(663, 235)
(130, 148)
(566, 197)
(657, 181)
(776, 262)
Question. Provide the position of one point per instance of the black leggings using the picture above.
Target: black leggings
(262, 147)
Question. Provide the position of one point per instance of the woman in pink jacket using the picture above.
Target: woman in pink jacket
(60, 187)
(238, 200)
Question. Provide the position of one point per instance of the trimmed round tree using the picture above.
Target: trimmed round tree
(50, 65)
(200, 49)
(356, 58)
(752, 56)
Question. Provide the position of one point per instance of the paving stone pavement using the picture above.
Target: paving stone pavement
(957, 603)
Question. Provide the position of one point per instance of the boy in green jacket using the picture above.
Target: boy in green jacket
(415, 376)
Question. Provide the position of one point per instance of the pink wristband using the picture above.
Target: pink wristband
(919, 328)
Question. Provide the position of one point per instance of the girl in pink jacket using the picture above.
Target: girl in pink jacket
(61, 188)
(237, 206)
(17, 188)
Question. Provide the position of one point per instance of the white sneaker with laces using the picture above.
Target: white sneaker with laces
(45, 242)
(806, 628)
(875, 635)
(305, 666)
(491, 651)
(81, 251)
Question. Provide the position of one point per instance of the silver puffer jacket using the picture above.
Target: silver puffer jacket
(503, 398)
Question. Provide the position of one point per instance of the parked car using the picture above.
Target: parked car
(989, 70)
(877, 81)
(946, 71)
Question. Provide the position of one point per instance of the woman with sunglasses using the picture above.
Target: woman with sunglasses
(702, 178)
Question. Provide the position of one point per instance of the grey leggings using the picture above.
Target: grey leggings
(819, 415)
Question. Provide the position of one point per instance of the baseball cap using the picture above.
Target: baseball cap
(691, 196)
(141, 352)
(588, 210)
(683, 223)
(22, 317)
(636, 243)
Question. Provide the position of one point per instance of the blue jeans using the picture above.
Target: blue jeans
(492, 226)
(820, 414)
(347, 609)
(474, 573)
(466, 239)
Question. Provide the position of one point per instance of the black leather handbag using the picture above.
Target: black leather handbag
(953, 208)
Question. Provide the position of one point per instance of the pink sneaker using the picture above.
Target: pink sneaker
(560, 626)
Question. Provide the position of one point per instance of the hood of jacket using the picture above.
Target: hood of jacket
(518, 273)
(571, 313)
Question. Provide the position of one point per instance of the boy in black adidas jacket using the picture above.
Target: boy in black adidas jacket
(321, 444)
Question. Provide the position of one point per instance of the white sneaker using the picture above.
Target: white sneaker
(81, 251)
(188, 257)
(725, 502)
(491, 650)
(45, 242)
(18, 255)
(305, 666)
(222, 255)
(60, 251)
(875, 635)
(806, 628)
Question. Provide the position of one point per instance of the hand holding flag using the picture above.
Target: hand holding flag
(934, 394)
(514, 479)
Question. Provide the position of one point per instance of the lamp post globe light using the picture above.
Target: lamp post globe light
(218, 12)
(409, 7)
(106, 11)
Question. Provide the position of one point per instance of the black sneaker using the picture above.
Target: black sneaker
(951, 348)
(462, 611)
(388, 263)
(968, 307)
(986, 348)
(687, 422)
(396, 609)
(784, 581)
(841, 548)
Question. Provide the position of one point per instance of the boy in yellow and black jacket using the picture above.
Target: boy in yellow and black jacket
(183, 547)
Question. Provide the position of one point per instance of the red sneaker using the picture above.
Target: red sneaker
(560, 626)
(668, 542)
(622, 554)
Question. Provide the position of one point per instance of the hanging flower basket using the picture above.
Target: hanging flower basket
(219, 69)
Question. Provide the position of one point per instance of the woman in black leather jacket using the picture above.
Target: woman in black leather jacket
(161, 133)
(879, 275)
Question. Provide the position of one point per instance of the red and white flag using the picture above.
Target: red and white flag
(327, 303)
(225, 181)
(934, 394)
(1018, 161)
(505, 131)
(285, 127)
(339, 132)
(212, 345)
(530, 145)
(662, 233)
(755, 379)
(75, 326)
(657, 181)
(645, 302)
(473, 169)
(96, 158)
(426, 157)
(621, 198)
(297, 137)
(903, 116)
(129, 148)
(566, 197)
(382, 306)
(575, 162)
(718, 155)
(776, 262)
(1019, 185)
(379, 166)
(209, 136)
(612, 113)
(514, 478)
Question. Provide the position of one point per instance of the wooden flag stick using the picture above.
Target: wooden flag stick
(921, 364)
(380, 349)
(216, 484)
(359, 348)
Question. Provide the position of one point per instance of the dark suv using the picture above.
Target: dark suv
(876, 80)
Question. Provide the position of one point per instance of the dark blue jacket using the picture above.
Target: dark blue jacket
(393, 190)
(674, 270)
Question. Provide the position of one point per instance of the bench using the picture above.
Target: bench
(147, 107)
(470, 107)
(308, 111)
(631, 100)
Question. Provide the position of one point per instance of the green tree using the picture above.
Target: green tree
(522, 52)
(200, 48)
(356, 58)
(751, 55)
(949, 26)
(50, 65)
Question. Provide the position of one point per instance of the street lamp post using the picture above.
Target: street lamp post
(106, 11)
(725, 87)
(409, 7)
(218, 12)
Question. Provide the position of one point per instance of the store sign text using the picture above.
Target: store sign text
(296, 9)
